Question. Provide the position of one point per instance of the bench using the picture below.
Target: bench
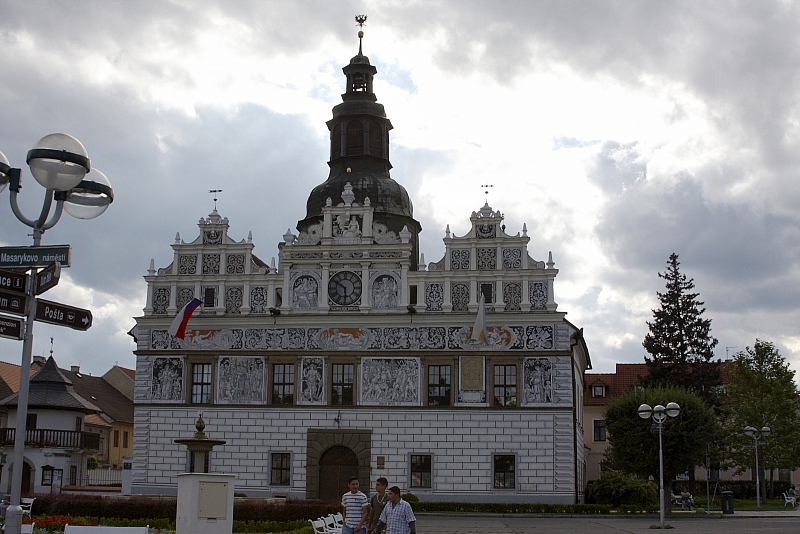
(79, 529)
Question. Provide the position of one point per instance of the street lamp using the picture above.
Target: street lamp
(756, 435)
(659, 415)
(59, 163)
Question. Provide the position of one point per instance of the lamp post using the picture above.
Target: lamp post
(756, 435)
(659, 415)
(60, 164)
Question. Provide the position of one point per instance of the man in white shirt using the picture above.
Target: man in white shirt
(355, 506)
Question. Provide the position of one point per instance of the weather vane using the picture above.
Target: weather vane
(215, 191)
(361, 20)
(487, 186)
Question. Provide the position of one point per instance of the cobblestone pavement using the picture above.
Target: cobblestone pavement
(788, 523)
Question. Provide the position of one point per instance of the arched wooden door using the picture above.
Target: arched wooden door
(26, 478)
(336, 466)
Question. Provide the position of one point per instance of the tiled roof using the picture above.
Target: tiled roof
(130, 372)
(9, 373)
(95, 419)
(50, 389)
(108, 398)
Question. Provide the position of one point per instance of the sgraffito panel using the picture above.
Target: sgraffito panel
(537, 381)
(312, 380)
(241, 380)
(167, 379)
(390, 381)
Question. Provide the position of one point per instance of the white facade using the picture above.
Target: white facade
(351, 356)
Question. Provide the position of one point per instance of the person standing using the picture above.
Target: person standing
(376, 504)
(356, 506)
(397, 516)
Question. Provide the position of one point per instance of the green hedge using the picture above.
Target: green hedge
(538, 508)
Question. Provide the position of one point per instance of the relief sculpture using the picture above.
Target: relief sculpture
(537, 381)
(241, 380)
(311, 387)
(167, 382)
(390, 381)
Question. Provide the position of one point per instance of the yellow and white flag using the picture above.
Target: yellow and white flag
(479, 330)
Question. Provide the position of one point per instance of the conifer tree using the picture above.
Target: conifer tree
(680, 344)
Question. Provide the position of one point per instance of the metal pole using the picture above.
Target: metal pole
(661, 475)
(758, 481)
(13, 524)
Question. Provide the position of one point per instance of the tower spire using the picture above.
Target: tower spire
(360, 21)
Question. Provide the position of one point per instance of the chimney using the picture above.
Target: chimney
(39, 359)
(75, 368)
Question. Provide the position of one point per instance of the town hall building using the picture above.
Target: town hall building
(350, 355)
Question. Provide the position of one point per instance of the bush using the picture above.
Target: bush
(621, 489)
(409, 497)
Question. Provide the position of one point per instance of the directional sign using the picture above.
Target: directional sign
(48, 278)
(13, 302)
(10, 327)
(13, 281)
(63, 315)
(26, 257)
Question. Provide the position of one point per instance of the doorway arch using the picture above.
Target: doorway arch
(346, 453)
(336, 466)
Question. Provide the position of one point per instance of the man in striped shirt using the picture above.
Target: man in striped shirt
(397, 517)
(355, 506)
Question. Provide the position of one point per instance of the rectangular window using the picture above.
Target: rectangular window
(116, 438)
(30, 421)
(487, 290)
(438, 385)
(283, 383)
(281, 469)
(504, 471)
(209, 297)
(412, 295)
(600, 430)
(124, 440)
(73, 475)
(420, 471)
(78, 424)
(47, 475)
(201, 383)
(599, 391)
(342, 387)
(505, 385)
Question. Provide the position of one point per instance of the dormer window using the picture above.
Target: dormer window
(599, 391)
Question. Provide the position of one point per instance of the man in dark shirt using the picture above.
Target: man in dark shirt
(376, 504)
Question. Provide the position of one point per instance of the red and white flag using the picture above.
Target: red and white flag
(178, 326)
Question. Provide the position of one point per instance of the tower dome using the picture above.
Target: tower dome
(359, 154)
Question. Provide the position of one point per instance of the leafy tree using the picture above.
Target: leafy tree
(679, 342)
(762, 392)
(634, 448)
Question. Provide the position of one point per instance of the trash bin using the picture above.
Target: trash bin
(727, 502)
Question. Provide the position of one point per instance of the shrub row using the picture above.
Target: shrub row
(538, 508)
(158, 507)
(746, 489)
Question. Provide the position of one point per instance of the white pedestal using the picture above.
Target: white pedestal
(205, 503)
(127, 474)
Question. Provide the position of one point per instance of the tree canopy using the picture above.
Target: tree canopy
(634, 448)
(762, 392)
(679, 342)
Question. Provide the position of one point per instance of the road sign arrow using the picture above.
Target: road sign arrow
(48, 278)
(63, 315)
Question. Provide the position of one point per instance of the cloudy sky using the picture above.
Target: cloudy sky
(619, 132)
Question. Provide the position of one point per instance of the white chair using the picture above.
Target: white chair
(789, 499)
(330, 525)
(26, 505)
(317, 524)
(339, 519)
(27, 529)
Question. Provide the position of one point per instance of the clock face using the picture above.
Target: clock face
(344, 288)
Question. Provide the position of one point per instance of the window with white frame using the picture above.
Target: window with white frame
(599, 391)
(600, 430)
